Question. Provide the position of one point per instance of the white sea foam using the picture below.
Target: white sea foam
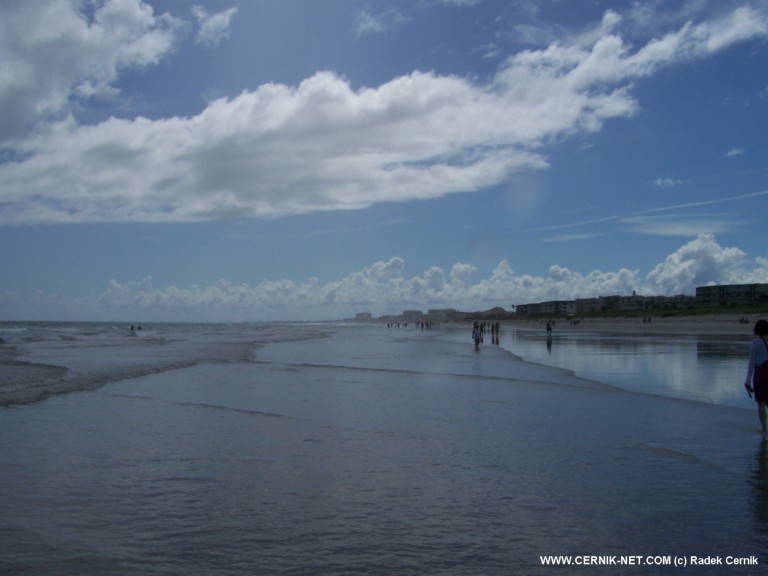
(41, 359)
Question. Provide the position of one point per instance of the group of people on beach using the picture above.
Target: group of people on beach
(478, 331)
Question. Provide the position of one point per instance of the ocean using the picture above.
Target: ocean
(702, 367)
(360, 449)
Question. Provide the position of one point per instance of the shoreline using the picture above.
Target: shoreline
(712, 324)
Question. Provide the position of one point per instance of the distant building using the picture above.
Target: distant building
(550, 308)
(732, 295)
(363, 317)
(634, 302)
(442, 314)
(604, 304)
(706, 296)
(412, 316)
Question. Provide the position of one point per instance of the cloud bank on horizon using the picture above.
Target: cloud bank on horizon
(72, 152)
(383, 288)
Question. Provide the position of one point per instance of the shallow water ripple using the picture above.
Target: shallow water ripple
(303, 462)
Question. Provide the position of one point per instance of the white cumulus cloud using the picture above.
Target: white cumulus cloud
(51, 54)
(700, 262)
(280, 149)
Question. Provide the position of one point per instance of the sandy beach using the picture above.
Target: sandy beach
(692, 325)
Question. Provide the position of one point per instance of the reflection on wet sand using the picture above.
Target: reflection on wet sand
(703, 367)
(759, 486)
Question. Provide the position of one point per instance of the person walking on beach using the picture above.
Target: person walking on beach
(477, 335)
(757, 371)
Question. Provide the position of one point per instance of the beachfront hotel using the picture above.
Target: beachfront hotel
(720, 295)
(732, 295)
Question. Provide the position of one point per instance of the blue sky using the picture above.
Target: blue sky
(310, 159)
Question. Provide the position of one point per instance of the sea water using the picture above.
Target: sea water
(702, 367)
(344, 449)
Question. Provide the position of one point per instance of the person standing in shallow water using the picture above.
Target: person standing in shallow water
(757, 371)
(477, 335)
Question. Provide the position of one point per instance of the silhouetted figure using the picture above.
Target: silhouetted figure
(477, 335)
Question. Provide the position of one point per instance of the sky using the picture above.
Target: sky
(268, 160)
